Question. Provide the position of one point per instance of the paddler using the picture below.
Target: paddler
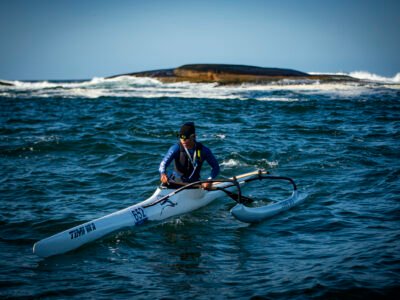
(188, 156)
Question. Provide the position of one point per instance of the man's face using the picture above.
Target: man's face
(187, 142)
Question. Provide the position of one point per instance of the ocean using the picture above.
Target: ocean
(73, 151)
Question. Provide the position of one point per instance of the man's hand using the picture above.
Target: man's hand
(206, 185)
(164, 178)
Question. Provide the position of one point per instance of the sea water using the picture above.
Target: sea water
(74, 151)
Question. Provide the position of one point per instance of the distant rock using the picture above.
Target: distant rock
(230, 74)
(154, 74)
(222, 69)
(6, 83)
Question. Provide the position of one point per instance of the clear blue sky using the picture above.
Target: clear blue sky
(67, 39)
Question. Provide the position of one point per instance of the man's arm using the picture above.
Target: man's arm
(212, 161)
(167, 161)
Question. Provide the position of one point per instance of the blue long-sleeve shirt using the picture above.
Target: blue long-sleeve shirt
(206, 155)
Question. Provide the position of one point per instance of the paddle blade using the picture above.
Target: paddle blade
(235, 197)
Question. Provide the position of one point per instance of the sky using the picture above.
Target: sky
(68, 39)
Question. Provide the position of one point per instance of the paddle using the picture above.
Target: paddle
(235, 197)
(177, 185)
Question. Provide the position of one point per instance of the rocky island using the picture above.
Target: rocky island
(5, 83)
(231, 74)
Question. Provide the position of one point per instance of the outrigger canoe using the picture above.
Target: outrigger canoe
(167, 202)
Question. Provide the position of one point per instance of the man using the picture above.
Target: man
(188, 156)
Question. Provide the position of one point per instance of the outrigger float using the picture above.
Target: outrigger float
(170, 201)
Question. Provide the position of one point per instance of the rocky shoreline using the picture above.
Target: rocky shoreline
(231, 74)
(225, 74)
(6, 83)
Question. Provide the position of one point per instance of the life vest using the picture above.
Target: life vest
(189, 171)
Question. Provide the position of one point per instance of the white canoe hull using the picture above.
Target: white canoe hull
(258, 214)
(135, 215)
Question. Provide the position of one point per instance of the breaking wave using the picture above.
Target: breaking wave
(366, 76)
(128, 86)
(373, 77)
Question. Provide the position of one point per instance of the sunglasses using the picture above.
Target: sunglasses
(184, 137)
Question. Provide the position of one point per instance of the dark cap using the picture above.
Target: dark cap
(187, 129)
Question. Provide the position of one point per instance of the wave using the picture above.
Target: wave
(367, 76)
(263, 163)
(373, 77)
(232, 163)
(143, 87)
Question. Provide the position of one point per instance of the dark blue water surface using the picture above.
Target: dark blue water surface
(73, 152)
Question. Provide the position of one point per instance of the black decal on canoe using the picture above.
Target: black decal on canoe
(139, 215)
(90, 227)
(78, 232)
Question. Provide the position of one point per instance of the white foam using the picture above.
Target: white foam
(231, 163)
(142, 81)
(277, 99)
(364, 75)
(373, 77)
(271, 164)
(22, 85)
(328, 73)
